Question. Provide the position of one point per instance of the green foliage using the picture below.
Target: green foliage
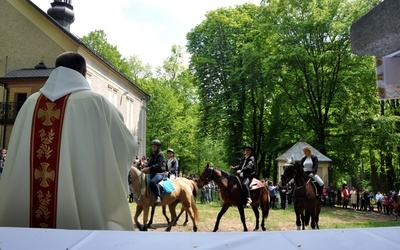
(97, 40)
(268, 76)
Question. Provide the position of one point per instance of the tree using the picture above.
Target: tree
(97, 40)
(226, 87)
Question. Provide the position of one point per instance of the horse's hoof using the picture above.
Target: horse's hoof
(195, 229)
(168, 229)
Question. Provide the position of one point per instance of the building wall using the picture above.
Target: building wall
(23, 44)
(28, 37)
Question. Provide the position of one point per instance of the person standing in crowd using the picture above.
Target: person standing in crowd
(310, 165)
(68, 157)
(346, 196)
(282, 194)
(272, 194)
(172, 164)
(379, 200)
(388, 203)
(246, 170)
(156, 168)
(367, 200)
(331, 195)
(353, 198)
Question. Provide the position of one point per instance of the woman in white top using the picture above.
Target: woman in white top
(310, 166)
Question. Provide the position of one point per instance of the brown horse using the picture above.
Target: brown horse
(305, 201)
(195, 191)
(396, 205)
(144, 200)
(232, 194)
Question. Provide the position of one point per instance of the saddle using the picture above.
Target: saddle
(255, 184)
(166, 185)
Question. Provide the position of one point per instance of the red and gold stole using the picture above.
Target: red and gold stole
(46, 133)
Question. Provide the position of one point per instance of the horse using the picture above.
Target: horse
(144, 200)
(232, 194)
(195, 191)
(396, 205)
(304, 196)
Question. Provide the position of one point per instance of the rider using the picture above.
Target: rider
(156, 168)
(310, 165)
(172, 164)
(246, 170)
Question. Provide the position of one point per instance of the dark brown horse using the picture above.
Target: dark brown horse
(396, 205)
(195, 191)
(305, 201)
(232, 194)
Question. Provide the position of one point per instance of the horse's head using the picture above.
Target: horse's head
(137, 163)
(206, 176)
(135, 172)
(289, 171)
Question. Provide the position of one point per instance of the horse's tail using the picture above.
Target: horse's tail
(195, 190)
(194, 208)
(265, 201)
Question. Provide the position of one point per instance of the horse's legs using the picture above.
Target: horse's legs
(153, 208)
(179, 215)
(302, 220)
(139, 210)
(189, 206)
(164, 212)
(298, 222)
(257, 214)
(172, 210)
(243, 218)
(221, 212)
(145, 217)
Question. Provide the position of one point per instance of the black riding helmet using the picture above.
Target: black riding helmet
(156, 142)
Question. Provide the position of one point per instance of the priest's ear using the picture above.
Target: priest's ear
(84, 72)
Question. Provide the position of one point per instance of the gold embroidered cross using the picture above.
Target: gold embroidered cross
(49, 114)
(43, 174)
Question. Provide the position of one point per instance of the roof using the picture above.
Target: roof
(297, 152)
(87, 48)
(28, 73)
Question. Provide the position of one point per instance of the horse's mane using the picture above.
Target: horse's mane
(301, 170)
(223, 172)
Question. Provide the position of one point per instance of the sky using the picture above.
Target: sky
(146, 28)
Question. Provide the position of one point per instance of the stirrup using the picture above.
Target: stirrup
(249, 201)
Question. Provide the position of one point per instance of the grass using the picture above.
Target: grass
(278, 219)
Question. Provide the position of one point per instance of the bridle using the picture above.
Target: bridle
(209, 178)
(142, 183)
(286, 166)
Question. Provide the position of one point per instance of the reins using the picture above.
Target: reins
(141, 182)
(304, 184)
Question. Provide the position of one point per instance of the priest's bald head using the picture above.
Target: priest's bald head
(73, 61)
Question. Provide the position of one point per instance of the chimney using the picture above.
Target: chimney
(63, 12)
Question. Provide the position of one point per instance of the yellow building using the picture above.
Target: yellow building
(296, 151)
(30, 42)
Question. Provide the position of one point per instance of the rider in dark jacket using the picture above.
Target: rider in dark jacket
(246, 170)
(156, 168)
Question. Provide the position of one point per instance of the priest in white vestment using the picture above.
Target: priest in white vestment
(95, 151)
